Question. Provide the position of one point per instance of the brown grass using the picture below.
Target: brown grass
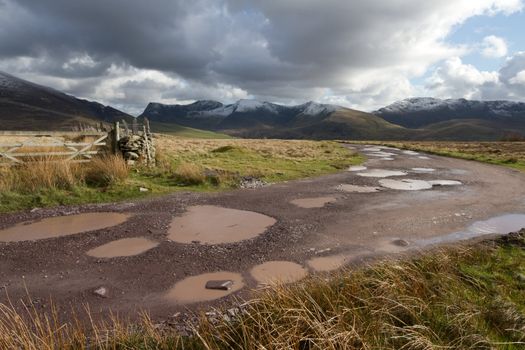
(189, 174)
(106, 170)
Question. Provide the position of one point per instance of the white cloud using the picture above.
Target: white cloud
(494, 46)
(126, 52)
(519, 78)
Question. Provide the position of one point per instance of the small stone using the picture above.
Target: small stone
(219, 284)
(34, 210)
(101, 292)
(400, 242)
(131, 156)
(520, 277)
(143, 189)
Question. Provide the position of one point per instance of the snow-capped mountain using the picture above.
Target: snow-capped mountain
(243, 113)
(423, 111)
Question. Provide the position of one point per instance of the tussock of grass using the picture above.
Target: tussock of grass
(188, 174)
(455, 298)
(107, 170)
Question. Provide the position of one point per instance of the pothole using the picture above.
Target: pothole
(357, 168)
(445, 183)
(193, 289)
(381, 154)
(386, 158)
(371, 149)
(497, 225)
(411, 153)
(423, 157)
(61, 226)
(382, 173)
(424, 170)
(278, 272)
(405, 184)
(123, 247)
(308, 203)
(209, 224)
(327, 263)
(357, 189)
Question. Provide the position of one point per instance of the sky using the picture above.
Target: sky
(354, 53)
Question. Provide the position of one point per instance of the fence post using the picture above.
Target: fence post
(116, 137)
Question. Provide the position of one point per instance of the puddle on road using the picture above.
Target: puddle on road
(278, 271)
(61, 226)
(497, 225)
(371, 149)
(423, 157)
(381, 154)
(357, 168)
(193, 289)
(387, 158)
(357, 189)
(123, 247)
(445, 183)
(424, 170)
(309, 203)
(327, 263)
(209, 224)
(382, 173)
(411, 153)
(406, 184)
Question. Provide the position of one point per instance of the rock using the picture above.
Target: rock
(143, 189)
(131, 156)
(400, 242)
(520, 277)
(101, 292)
(219, 284)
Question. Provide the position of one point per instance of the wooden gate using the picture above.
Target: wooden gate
(52, 146)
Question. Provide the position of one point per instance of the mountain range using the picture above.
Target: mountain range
(28, 106)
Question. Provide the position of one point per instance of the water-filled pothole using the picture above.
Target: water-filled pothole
(382, 173)
(371, 149)
(61, 226)
(317, 202)
(278, 272)
(411, 153)
(327, 263)
(209, 224)
(445, 183)
(381, 154)
(357, 168)
(357, 189)
(497, 225)
(405, 184)
(424, 170)
(123, 247)
(193, 289)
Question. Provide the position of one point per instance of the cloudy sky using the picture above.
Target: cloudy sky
(360, 54)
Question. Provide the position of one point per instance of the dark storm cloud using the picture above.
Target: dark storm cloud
(128, 51)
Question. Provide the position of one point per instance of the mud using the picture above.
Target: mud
(309, 203)
(209, 224)
(327, 263)
(357, 189)
(123, 247)
(278, 272)
(61, 226)
(193, 289)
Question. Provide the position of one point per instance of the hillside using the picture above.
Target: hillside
(28, 106)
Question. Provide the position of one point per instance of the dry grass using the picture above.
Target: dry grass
(106, 170)
(455, 298)
(188, 174)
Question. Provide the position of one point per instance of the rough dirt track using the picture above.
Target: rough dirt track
(356, 225)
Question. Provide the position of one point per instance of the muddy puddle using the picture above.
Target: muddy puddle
(357, 168)
(423, 170)
(382, 173)
(381, 154)
(423, 157)
(405, 184)
(193, 289)
(123, 247)
(371, 149)
(357, 189)
(411, 153)
(497, 225)
(61, 226)
(445, 183)
(327, 263)
(209, 224)
(309, 203)
(278, 272)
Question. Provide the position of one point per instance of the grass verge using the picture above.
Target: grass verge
(471, 297)
(509, 154)
(183, 164)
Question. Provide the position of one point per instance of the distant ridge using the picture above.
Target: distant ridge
(28, 106)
